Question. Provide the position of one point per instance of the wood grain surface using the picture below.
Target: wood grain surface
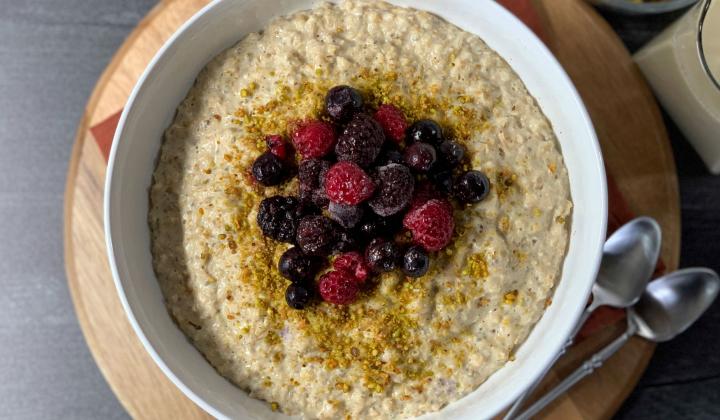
(626, 118)
(139, 384)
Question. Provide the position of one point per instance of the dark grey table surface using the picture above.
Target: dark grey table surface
(51, 54)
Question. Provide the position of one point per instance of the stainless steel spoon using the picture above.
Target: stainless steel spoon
(668, 307)
(628, 260)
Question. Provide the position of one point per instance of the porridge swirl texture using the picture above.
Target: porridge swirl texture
(408, 346)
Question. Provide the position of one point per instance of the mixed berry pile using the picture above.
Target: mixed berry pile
(366, 180)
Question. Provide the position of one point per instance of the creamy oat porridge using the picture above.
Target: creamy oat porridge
(406, 346)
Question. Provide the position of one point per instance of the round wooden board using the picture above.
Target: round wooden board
(628, 123)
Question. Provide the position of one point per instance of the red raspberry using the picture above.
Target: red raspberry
(278, 146)
(431, 224)
(346, 183)
(392, 121)
(353, 263)
(313, 138)
(424, 192)
(338, 287)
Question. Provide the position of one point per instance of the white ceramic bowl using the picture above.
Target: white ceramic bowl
(165, 83)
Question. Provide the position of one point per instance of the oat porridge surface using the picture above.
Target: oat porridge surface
(408, 346)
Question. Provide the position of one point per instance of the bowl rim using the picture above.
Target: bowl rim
(140, 333)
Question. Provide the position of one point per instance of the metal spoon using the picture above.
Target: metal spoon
(628, 260)
(668, 307)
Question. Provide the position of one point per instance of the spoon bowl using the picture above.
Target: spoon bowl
(672, 303)
(629, 259)
(668, 307)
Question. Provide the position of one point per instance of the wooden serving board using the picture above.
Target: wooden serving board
(627, 120)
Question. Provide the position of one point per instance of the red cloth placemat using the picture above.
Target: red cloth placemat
(619, 212)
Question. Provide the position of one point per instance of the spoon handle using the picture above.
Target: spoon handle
(517, 405)
(584, 370)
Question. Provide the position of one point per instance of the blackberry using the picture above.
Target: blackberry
(394, 191)
(311, 173)
(426, 131)
(297, 267)
(451, 153)
(345, 215)
(341, 102)
(471, 187)
(305, 193)
(268, 169)
(316, 235)
(278, 217)
(313, 197)
(415, 261)
(382, 255)
(297, 296)
(320, 198)
(420, 157)
(361, 141)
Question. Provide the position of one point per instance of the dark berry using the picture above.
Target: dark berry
(471, 187)
(373, 226)
(315, 197)
(316, 235)
(346, 216)
(382, 255)
(361, 140)
(395, 186)
(268, 169)
(278, 218)
(431, 224)
(427, 131)
(297, 296)
(338, 287)
(389, 155)
(311, 172)
(443, 180)
(392, 121)
(353, 263)
(297, 267)
(420, 157)
(306, 208)
(313, 139)
(347, 183)
(415, 261)
(342, 102)
(278, 146)
(451, 153)
(320, 199)
(346, 241)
